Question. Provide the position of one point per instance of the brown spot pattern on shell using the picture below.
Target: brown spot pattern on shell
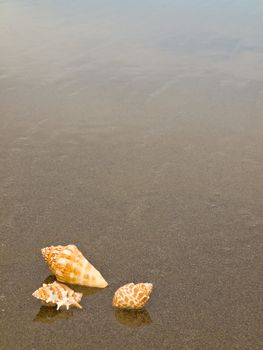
(132, 296)
(69, 265)
(58, 294)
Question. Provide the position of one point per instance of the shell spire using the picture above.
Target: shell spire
(55, 293)
(69, 265)
(132, 296)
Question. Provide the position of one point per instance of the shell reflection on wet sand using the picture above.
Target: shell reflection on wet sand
(57, 294)
(132, 296)
(48, 314)
(133, 318)
(70, 266)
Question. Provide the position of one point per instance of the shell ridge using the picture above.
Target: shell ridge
(58, 294)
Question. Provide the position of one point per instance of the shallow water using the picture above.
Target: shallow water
(133, 129)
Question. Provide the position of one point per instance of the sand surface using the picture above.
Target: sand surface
(133, 129)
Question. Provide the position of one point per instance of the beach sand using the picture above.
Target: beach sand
(136, 133)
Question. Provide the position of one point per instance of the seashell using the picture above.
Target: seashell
(69, 265)
(132, 296)
(58, 294)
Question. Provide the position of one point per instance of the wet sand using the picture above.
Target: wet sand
(134, 131)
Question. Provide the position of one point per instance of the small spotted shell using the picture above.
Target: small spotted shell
(132, 296)
(69, 265)
(58, 294)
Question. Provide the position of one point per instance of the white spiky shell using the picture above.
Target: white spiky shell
(55, 293)
(69, 265)
(132, 296)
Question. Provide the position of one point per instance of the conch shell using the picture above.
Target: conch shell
(69, 265)
(58, 294)
(132, 296)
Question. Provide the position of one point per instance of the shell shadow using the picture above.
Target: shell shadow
(49, 279)
(49, 314)
(133, 318)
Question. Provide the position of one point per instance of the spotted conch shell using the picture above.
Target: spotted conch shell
(69, 265)
(58, 294)
(132, 296)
